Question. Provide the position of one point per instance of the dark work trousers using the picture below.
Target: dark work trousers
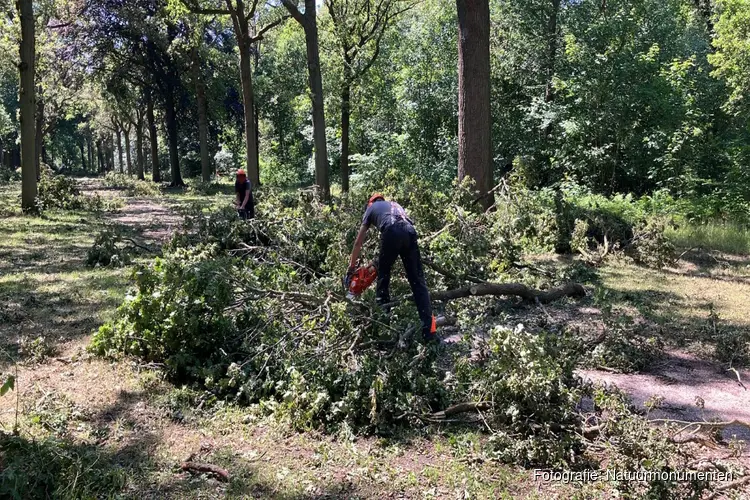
(400, 240)
(249, 211)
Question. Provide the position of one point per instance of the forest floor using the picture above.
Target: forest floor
(123, 416)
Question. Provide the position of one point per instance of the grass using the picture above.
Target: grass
(722, 237)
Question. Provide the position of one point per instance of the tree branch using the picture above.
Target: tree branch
(267, 28)
(517, 289)
(294, 11)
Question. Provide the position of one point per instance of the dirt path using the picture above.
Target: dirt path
(692, 389)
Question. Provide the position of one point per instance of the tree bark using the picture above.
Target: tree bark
(200, 92)
(139, 163)
(128, 160)
(99, 157)
(517, 289)
(153, 139)
(316, 90)
(345, 118)
(39, 134)
(83, 156)
(90, 151)
(119, 151)
(248, 98)
(172, 138)
(27, 50)
(474, 141)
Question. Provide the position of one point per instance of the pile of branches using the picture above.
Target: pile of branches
(254, 310)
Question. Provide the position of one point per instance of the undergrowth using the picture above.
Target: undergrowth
(131, 185)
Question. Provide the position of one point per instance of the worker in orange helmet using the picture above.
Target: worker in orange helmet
(398, 238)
(244, 190)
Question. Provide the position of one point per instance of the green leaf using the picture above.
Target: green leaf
(9, 385)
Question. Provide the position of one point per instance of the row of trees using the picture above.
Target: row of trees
(623, 95)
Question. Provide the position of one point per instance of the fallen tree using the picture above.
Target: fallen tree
(516, 289)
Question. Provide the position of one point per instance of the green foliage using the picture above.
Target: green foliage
(106, 252)
(177, 316)
(529, 379)
(250, 310)
(131, 185)
(8, 385)
(731, 59)
(35, 349)
(58, 191)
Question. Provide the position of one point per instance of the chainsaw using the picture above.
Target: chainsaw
(362, 277)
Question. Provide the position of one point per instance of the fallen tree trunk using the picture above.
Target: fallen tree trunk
(517, 289)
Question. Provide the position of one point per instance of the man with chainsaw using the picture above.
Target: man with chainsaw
(398, 238)
(244, 190)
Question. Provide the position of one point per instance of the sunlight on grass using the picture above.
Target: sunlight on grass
(723, 237)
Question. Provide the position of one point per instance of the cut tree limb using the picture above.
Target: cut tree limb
(461, 408)
(200, 468)
(527, 294)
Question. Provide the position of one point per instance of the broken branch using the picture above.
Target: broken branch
(201, 468)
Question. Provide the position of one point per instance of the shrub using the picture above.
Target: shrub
(58, 191)
(528, 377)
(106, 252)
(132, 185)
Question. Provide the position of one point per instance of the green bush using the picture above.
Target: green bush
(529, 379)
(132, 185)
(58, 191)
(106, 252)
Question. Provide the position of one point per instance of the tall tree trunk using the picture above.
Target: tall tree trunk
(171, 118)
(27, 50)
(2, 154)
(139, 148)
(248, 98)
(316, 90)
(111, 153)
(39, 134)
(200, 92)
(90, 153)
(83, 156)
(153, 139)
(345, 117)
(119, 152)
(474, 144)
(99, 156)
(128, 160)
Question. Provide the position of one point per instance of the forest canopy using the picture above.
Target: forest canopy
(619, 96)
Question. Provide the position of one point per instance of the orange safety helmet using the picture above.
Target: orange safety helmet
(241, 173)
(375, 197)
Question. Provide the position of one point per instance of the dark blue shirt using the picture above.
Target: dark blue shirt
(241, 188)
(383, 214)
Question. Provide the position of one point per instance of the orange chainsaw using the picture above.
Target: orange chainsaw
(358, 281)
